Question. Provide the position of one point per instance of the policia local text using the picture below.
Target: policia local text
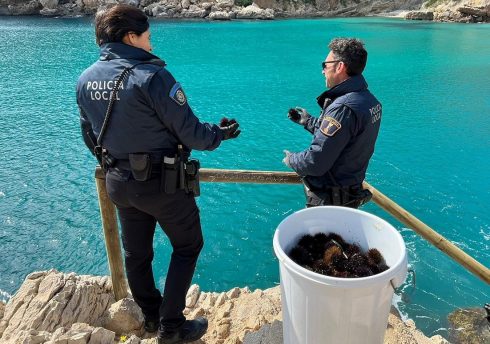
(102, 89)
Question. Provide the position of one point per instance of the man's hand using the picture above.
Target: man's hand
(286, 158)
(229, 128)
(299, 115)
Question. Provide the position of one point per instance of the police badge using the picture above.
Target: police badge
(177, 94)
(330, 126)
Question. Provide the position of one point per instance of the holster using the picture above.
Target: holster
(140, 164)
(170, 174)
(192, 177)
(178, 174)
(104, 158)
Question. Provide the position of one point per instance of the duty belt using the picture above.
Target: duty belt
(123, 164)
(353, 196)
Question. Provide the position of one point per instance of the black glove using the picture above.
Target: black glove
(229, 128)
(299, 115)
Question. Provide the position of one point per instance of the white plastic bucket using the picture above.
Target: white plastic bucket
(322, 309)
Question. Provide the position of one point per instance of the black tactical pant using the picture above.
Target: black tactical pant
(140, 206)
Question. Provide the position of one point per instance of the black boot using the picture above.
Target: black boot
(191, 331)
(151, 324)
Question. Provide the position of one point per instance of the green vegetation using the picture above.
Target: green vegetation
(243, 3)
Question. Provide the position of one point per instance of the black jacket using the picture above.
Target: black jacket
(344, 136)
(150, 114)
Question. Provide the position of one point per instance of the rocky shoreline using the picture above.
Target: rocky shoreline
(437, 10)
(54, 308)
(469, 11)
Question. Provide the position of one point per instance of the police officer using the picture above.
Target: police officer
(135, 116)
(334, 166)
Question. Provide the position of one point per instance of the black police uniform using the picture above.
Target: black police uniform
(334, 166)
(150, 115)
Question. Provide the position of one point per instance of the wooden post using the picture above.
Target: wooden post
(111, 236)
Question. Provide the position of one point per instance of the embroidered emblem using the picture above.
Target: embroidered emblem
(177, 94)
(330, 126)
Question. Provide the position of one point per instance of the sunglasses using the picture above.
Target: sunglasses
(324, 63)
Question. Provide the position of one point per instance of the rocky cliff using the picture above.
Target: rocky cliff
(439, 10)
(463, 11)
(213, 9)
(54, 308)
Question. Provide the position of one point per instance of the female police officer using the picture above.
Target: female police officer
(134, 116)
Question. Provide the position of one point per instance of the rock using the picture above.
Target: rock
(233, 293)
(51, 300)
(192, 296)
(133, 340)
(124, 317)
(102, 336)
(255, 12)
(134, 3)
(206, 5)
(79, 333)
(221, 299)
(49, 3)
(30, 337)
(225, 4)
(49, 12)
(57, 334)
(91, 6)
(79, 338)
(469, 326)
(265, 3)
(25, 9)
(419, 15)
(209, 301)
(198, 311)
(457, 10)
(476, 14)
(194, 13)
(228, 317)
(2, 309)
(438, 340)
(398, 332)
(254, 323)
(463, 11)
(223, 330)
(268, 334)
(173, 9)
(202, 297)
(233, 315)
(144, 3)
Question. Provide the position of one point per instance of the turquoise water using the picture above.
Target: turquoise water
(432, 154)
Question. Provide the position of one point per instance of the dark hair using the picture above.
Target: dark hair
(112, 24)
(350, 51)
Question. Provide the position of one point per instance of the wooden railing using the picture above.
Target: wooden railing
(111, 234)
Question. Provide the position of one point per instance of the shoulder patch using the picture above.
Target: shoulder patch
(177, 94)
(330, 126)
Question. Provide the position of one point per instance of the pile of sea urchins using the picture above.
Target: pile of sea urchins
(328, 254)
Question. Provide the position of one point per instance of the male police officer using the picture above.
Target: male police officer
(334, 166)
(134, 117)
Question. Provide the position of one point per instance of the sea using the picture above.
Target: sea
(432, 155)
